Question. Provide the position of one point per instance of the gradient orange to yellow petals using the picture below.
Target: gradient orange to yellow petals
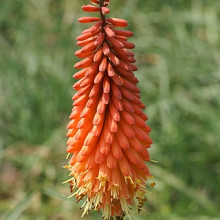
(108, 135)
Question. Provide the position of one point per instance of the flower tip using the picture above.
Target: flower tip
(105, 10)
(90, 8)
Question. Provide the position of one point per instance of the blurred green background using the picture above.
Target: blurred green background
(178, 56)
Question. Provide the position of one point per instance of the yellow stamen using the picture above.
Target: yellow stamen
(67, 181)
(67, 166)
(153, 184)
(67, 156)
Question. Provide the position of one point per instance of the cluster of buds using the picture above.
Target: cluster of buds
(108, 134)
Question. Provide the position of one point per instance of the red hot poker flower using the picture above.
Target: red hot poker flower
(108, 136)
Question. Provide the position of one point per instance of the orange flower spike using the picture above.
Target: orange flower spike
(108, 135)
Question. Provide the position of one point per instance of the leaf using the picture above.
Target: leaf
(20, 207)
